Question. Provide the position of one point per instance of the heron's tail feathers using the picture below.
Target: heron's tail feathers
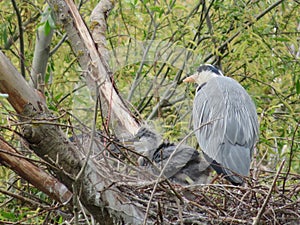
(233, 161)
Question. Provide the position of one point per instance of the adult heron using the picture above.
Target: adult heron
(225, 122)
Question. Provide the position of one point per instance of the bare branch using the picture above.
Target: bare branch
(98, 73)
(263, 207)
(21, 37)
(41, 52)
(36, 176)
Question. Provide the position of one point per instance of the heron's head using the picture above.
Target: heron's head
(203, 74)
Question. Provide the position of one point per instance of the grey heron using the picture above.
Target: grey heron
(186, 166)
(225, 122)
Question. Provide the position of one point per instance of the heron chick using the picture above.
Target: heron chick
(185, 167)
(225, 123)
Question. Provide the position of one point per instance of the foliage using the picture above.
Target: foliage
(264, 58)
(177, 36)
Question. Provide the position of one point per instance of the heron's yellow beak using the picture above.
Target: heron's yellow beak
(190, 79)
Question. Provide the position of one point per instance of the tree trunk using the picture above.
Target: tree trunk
(43, 133)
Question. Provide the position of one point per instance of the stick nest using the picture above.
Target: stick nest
(269, 197)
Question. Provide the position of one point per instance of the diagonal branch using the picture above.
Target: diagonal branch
(36, 176)
(263, 207)
(247, 25)
(19, 92)
(94, 63)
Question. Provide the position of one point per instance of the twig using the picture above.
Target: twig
(91, 140)
(20, 25)
(14, 37)
(262, 209)
(246, 26)
(205, 208)
(57, 46)
(291, 157)
(167, 163)
(81, 172)
(23, 199)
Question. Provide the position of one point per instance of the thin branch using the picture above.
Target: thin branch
(22, 198)
(139, 71)
(14, 37)
(291, 157)
(21, 36)
(90, 148)
(165, 166)
(56, 47)
(247, 25)
(262, 209)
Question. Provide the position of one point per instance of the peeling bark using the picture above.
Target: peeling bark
(94, 63)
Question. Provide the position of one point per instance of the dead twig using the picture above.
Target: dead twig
(263, 207)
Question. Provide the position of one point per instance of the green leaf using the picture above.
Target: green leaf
(298, 86)
(4, 36)
(47, 28)
(157, 9)
(282, 39)
(7, 215)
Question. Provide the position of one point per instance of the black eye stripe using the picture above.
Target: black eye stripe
(207, 67)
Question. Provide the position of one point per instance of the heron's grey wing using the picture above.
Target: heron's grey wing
(241, 120)
(208, 118)
(182, 156)
(186, 165)
(231, 130)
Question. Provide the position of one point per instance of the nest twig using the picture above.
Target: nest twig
(264, 201)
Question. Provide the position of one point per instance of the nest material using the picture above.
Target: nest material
(271, 198)
(218, 203)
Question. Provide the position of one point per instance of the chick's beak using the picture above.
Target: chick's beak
(190, 79)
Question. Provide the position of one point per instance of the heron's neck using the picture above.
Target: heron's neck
(205, 76)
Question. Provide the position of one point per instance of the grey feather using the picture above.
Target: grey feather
(186, 166)
(232, 127)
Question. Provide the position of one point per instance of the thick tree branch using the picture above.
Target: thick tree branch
(94, 64)
(36, 176)
(51, 144)
(19, 92)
